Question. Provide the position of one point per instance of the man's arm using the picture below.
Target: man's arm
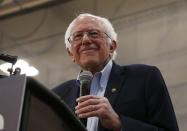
(160, 113)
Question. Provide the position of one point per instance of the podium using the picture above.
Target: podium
(27, 105)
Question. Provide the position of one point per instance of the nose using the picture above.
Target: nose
(85, 39)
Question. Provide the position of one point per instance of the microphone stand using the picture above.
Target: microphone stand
(12, 60)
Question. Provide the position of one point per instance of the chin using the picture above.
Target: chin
(89, 63)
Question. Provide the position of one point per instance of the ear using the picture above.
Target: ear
(113, 46)
(70, 54)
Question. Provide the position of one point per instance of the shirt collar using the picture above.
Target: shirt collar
(105, 73)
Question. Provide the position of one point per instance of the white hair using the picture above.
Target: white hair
(109, 30)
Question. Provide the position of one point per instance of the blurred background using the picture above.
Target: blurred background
(150, 32)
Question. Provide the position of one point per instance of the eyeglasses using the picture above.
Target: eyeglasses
(92, 34)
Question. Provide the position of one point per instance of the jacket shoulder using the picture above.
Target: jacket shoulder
(64, 87)
(140, 67)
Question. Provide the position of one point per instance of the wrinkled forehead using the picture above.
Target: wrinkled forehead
(87, 23)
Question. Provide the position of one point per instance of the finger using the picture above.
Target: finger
(87, 103)
(88, 114)
(84, 98)
(92, 111)
(86, 109)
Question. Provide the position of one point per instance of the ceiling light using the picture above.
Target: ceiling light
(23, 65)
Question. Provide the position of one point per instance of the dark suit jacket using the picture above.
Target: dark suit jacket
(141, 98)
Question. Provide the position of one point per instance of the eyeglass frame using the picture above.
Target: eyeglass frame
(87, 32)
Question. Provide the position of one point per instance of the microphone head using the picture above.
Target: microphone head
(85, 78)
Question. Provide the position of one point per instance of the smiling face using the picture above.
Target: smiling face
(91, 54)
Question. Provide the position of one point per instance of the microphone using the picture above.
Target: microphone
(85, 78)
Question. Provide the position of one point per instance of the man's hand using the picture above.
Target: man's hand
(91, 105)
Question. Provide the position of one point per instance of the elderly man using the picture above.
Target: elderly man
(126, 98)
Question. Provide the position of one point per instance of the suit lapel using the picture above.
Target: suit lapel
(115, 82)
